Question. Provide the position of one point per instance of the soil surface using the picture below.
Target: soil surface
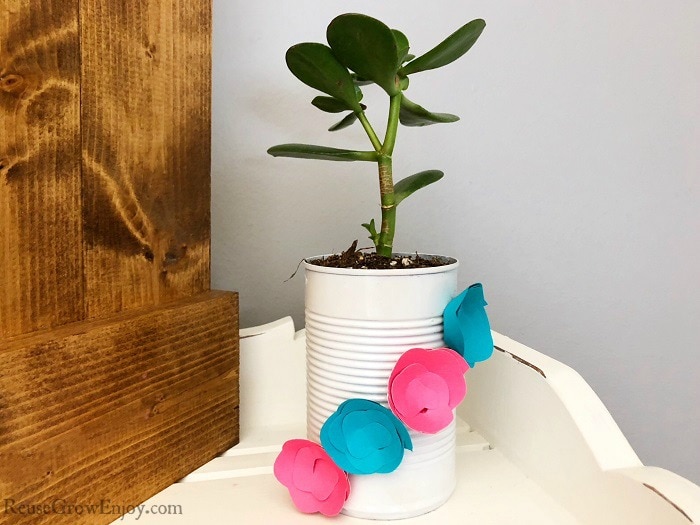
(362, 260)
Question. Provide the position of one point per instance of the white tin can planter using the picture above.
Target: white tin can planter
(358, 324)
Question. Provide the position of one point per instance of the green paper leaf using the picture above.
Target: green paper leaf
(366, 46)
(412, 114)
(449, 50)
(330, 104)
(410, 185)
(347, 121)
(308, 151)
(315, 65)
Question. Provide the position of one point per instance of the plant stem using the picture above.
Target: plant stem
(392, 125)
(370, 131)
(385, 244)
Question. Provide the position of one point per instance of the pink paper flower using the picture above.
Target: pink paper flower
(425, 386)
(314, 481)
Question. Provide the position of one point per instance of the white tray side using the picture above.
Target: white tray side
(548, 421)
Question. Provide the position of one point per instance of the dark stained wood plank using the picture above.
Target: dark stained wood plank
(117, 410)
(120, 369)
(41, 282)
(146, 151)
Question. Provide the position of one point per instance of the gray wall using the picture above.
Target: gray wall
(571, 188)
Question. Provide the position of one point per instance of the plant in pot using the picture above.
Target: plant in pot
(364, 311)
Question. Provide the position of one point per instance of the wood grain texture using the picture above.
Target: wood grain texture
(120, 368)
(146, 81)
(41, 283)
(117, 410)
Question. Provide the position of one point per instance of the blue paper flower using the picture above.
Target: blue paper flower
(363, 437)
(466, 325)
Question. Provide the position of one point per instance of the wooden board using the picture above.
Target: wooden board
(104, 208)
(120, 370)
(146, 151)
(40, 178)
(117, 410)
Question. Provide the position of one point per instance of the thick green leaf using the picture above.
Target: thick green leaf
(409, 185)
(409, 57)
(412, 114)
(366, 46)
(358, 91)
(449, 50)
(347, 121)
(402, 45)
(330, 105)
(359, 81)
(307, 151)
(315, 65)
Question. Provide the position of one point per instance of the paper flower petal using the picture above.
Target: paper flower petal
(314, 481)
(432, 389)
(466, 325)
(304, 501)
(325, 480)
(405, 404)
(363, 437)
(303, 474)
(425, 386)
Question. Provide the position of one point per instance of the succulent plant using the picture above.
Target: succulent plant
(362, 50)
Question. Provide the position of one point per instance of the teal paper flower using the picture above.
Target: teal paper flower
(363, 437)
(466, 325)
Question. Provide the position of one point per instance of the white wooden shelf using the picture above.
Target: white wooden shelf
(535, 446)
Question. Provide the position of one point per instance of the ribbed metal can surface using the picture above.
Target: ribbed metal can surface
(358, 324)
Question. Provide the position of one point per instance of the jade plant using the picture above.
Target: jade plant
(361, 51)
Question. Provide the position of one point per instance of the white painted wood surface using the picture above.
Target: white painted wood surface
(535, 446)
